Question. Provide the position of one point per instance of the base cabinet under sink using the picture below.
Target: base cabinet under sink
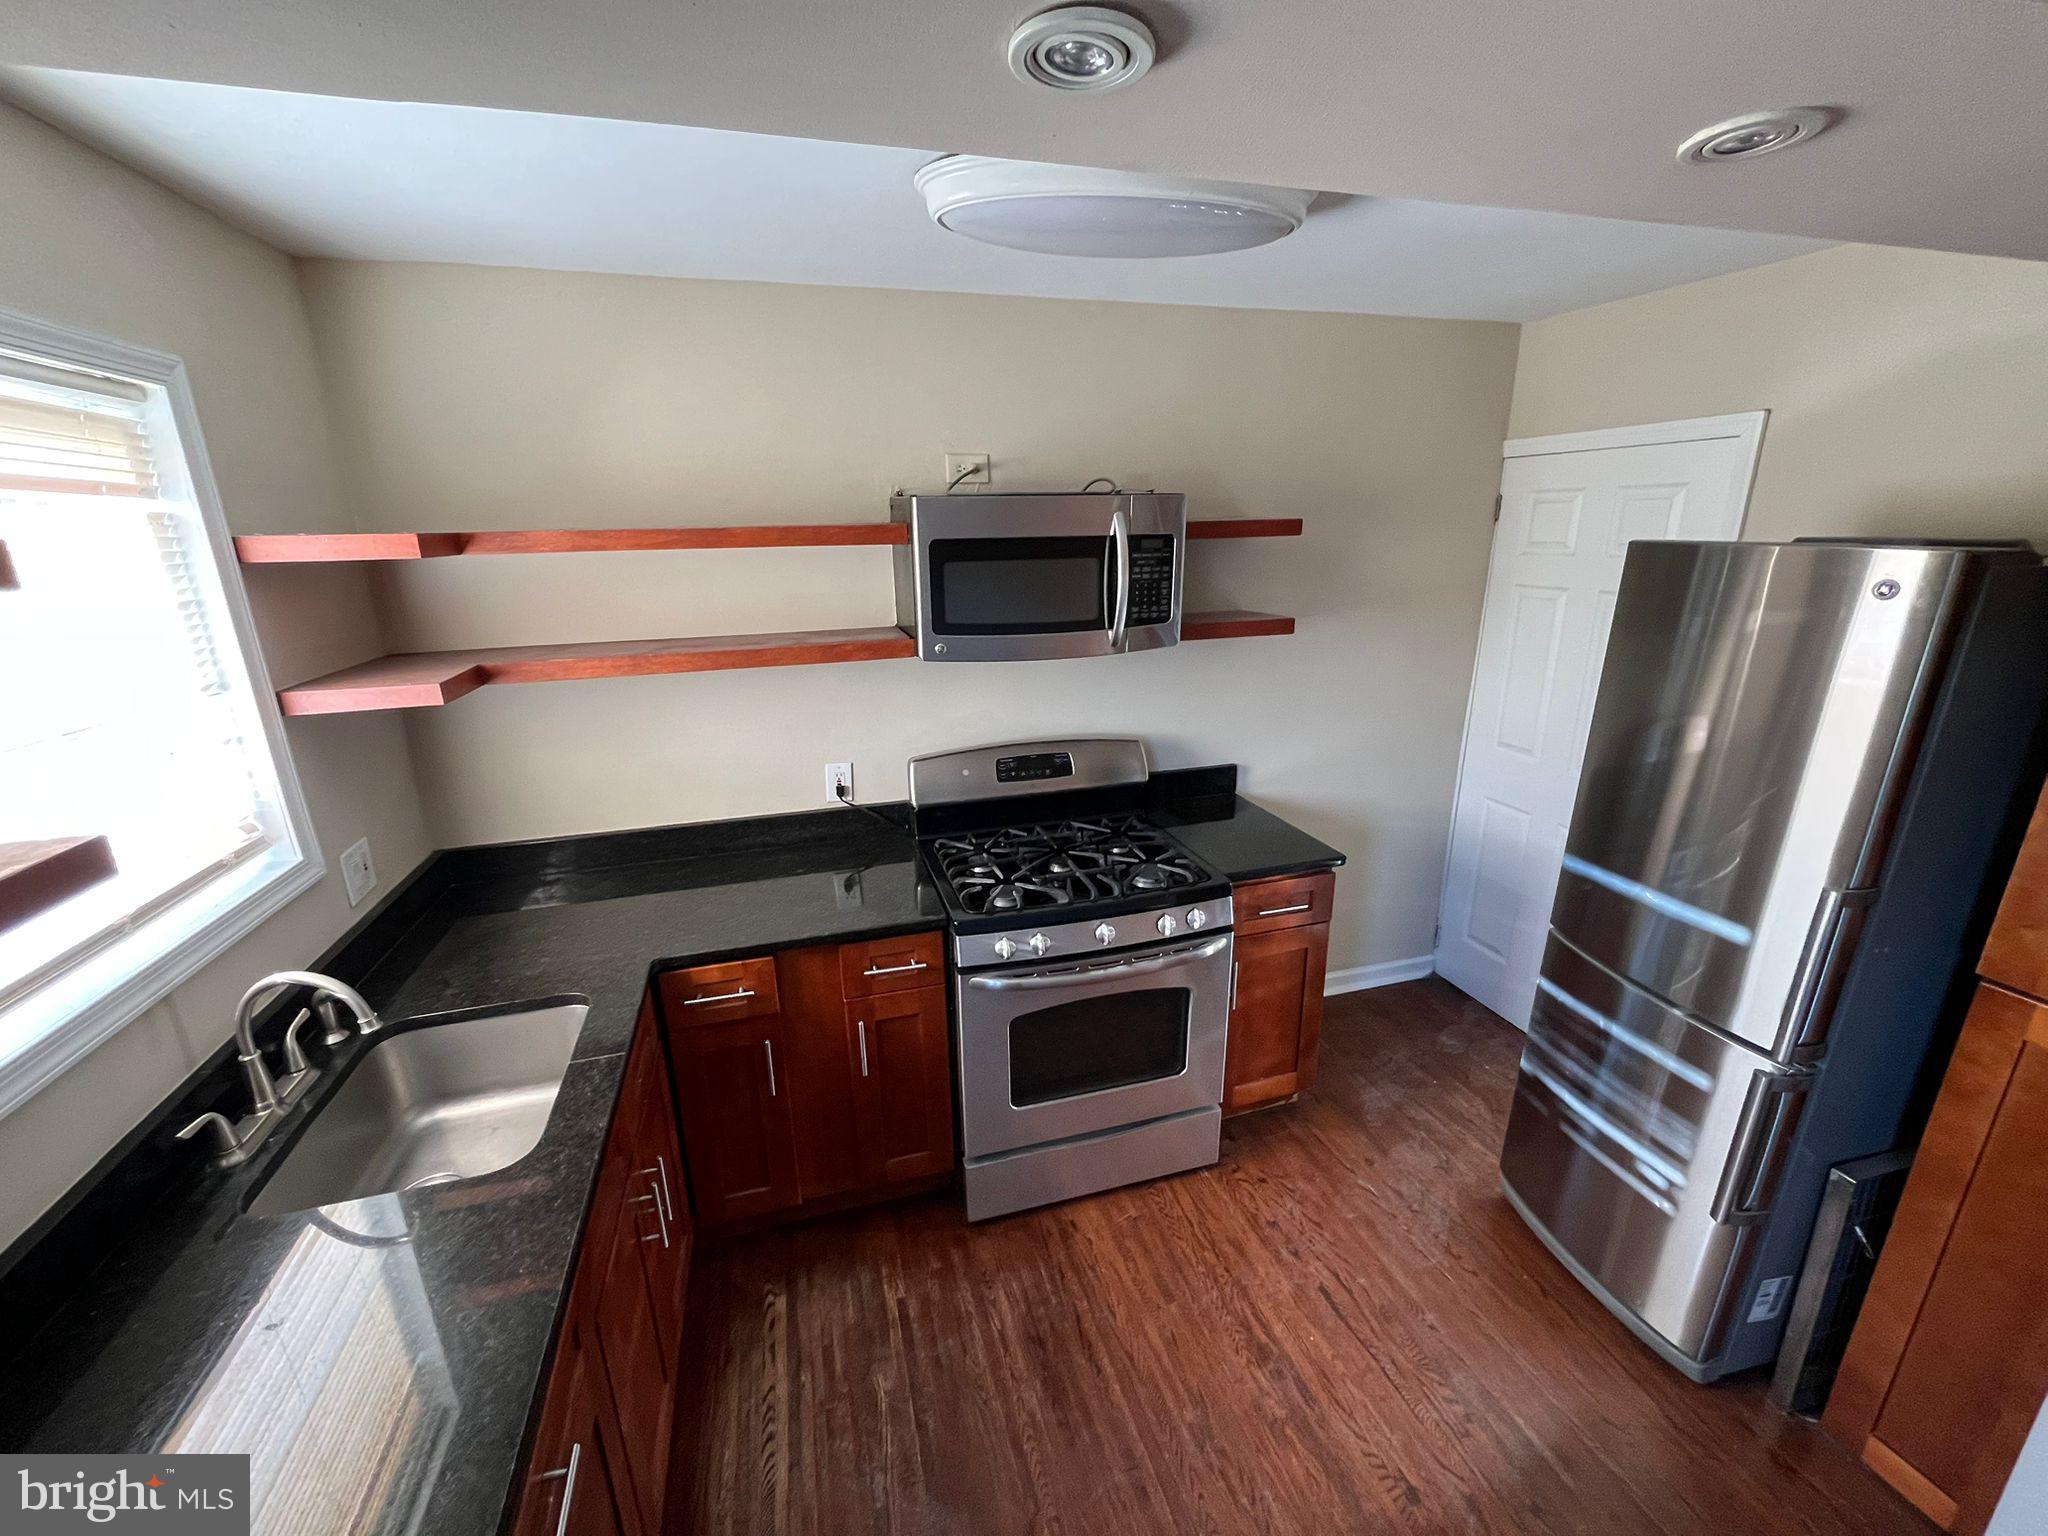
(599, 1465)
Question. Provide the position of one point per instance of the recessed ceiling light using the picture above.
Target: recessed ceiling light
(1081, 48)
(1069, 210)
(1756, 133)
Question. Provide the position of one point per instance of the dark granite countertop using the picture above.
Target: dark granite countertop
(410, 1332)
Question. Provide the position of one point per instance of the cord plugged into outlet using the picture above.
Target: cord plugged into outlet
(839, 783)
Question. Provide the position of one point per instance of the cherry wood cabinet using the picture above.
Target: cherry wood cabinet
(902, 1059)
(1948, 1365)
(578, 1485)
(829, 1083)
(1276, 1012)
(599, 1465)
(732, 1082)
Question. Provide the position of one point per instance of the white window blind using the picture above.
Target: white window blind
(121, 714)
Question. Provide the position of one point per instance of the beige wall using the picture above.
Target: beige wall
(1908, 390)
(471, 397)
(90, 244)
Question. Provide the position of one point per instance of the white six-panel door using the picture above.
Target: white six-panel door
(1569, 507)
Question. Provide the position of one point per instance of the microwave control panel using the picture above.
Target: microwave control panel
(1151, 579)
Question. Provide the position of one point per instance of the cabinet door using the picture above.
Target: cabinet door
(2016, 954)
(641, 1375)
(577, 1482)
(1959, 1285)
(732, 1080)
(656, 1172)
(1276, 1021)
(821, 1086)
(901, 1059)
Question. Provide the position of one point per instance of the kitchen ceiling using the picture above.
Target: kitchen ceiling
(390, 181)
(1573, 106)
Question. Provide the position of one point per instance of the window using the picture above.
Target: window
(133, 706)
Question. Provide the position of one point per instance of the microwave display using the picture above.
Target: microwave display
(1018, 586)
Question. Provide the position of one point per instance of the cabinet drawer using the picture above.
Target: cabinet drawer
(718, 994)
(901, 964)
(1293, 902)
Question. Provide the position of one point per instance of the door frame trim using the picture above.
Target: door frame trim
(1745, 426)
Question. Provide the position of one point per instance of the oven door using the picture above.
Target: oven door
(1023, 578)
(1048, 1054)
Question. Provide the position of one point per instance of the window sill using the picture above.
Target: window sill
(51, 1029)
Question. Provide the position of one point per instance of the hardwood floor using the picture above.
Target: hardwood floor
(1340, 1328)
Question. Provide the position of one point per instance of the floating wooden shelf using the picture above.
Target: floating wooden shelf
(36, 876)
(426, 678)
(315, 548)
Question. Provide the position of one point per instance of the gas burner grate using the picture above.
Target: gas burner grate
(1057, 864)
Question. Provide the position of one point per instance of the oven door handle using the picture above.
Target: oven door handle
(1067, 976)
(1120, 545)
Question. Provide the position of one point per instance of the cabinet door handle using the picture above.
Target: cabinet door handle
(769, 1047)
(663, 1197)
(568, 1474)
(894, 970)
(861, 1028)
(1233, 986)
(719, 997)
(1299, 906)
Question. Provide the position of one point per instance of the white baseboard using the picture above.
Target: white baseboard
(1358, 978)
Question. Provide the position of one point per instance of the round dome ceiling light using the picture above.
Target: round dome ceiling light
(1081, 48)
(1756, 133)
(1071, 210)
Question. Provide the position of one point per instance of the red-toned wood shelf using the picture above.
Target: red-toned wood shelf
(425, 678)
(1244, 528)
(36, 876)
(1234, 624)
(313, 548)
(317, 548)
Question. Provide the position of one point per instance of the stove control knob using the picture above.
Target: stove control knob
(1105, 934)
(1167, 925)
(1039, 943)
(1197, 918)
(1005, 948)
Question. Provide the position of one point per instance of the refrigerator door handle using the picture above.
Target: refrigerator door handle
(1769, 1120)
(1830, 942)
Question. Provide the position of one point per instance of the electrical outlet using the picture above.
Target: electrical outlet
(966, 469)
(838, 776)
(357, 872)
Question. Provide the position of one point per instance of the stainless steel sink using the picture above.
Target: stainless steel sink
(428, 1106)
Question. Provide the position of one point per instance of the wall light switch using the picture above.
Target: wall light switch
(965, 469)
(357, 872)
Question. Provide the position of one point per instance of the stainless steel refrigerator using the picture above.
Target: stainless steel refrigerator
(1805, 770)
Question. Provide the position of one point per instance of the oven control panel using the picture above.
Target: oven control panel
(1035, 765)
(1151, 579)
(1083, 943)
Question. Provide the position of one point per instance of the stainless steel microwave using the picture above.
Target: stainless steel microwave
(1025, 578)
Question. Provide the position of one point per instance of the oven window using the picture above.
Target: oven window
(1097, 1043)
(1029, 586)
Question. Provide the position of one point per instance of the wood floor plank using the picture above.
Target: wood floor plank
(1340, 1327)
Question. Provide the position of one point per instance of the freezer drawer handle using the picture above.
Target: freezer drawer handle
(1770, 1117)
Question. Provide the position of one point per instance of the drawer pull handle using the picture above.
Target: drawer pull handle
(569, 1487)
(894, 970)
(719, 997)
(1299, 906)
(861, 1028)
(663, 1197)
(769, 1047)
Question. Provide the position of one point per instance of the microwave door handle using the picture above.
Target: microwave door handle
(1120, 562)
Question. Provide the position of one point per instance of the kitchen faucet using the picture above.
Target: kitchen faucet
(236, 1142)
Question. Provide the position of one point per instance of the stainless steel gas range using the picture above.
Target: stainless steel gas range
(1092, 971)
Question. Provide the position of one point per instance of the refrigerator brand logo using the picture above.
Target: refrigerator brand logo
(166, 1495)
